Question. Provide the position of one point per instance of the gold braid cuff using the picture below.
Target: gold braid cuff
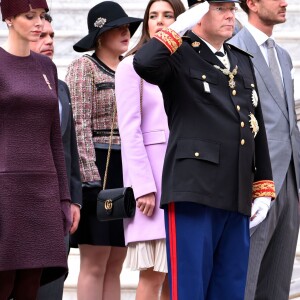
(169, 38)
(263, 188)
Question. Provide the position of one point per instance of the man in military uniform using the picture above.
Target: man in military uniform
(217, 170)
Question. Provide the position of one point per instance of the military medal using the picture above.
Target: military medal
(254, 98)
(231, 75)
(253, 124)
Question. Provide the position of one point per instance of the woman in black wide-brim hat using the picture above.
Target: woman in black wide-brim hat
(91, 80)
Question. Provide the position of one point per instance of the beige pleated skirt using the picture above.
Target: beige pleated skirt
(148, 254)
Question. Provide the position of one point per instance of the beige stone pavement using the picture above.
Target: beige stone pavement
(129, 280)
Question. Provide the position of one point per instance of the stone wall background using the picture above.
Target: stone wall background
(69, 22)
(70, 25)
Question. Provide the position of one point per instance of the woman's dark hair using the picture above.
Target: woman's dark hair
(178, 8)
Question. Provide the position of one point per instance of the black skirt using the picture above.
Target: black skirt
(91, 231)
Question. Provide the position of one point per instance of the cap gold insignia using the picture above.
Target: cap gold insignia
(254, 98)
(195, 44)
(253, 124)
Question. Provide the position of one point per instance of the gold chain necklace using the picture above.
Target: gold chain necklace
(231, 75)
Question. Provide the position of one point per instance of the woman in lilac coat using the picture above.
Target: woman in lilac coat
(144, 135)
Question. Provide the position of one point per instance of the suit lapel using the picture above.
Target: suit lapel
(200, 47)
(232, 58)
(261, 66)
(63, 98)
(286, 74)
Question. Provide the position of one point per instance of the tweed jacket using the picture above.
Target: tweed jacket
(93, 97)
(216, 156)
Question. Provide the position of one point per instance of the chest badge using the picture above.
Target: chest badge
(195, 44)
(254, 98)
(253, 124)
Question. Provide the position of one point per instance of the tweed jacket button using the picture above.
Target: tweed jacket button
(204, 77)
(234, 92)
(238, 108)
(197, 154)
(242, 124)
(242, 142)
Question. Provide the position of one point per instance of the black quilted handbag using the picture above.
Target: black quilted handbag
(115, 204)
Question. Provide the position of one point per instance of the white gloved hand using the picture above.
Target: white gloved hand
(259, 210)
(190, 18)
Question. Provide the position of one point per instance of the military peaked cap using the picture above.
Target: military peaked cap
(193, 2)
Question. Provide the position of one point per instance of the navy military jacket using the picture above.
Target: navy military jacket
(213, 156)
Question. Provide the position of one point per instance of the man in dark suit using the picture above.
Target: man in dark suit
(54, 290)
(217, 161)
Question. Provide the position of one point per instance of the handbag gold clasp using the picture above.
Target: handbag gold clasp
(108, 204)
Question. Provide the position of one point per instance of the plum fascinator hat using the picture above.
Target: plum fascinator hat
(11, 8)
(102, 17)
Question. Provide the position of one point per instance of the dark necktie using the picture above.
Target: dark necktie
(220, 54)
(222, 57)
(273, 65)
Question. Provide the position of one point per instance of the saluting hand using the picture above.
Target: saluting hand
(190, 18)
(146, 204)
(259, 210)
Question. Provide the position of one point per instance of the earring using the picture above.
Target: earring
(98, 44)
(9, 24)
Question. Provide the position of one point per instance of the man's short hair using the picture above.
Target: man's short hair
(244, 6)
(48, 18)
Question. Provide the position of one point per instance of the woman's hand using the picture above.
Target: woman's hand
(146, 204)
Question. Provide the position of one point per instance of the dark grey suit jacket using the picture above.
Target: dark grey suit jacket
(54, 289)
(70, 143)
(280, 122)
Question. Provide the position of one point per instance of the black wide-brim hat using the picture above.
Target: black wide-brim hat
(102, 17)
(193, 2)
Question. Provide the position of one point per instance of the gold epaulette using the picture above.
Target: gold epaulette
(263, 188)
(169, 38)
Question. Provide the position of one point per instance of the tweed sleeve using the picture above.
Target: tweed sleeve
(82, 90)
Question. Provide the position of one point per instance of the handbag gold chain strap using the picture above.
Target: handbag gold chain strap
(112, 130)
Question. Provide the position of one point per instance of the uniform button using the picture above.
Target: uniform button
(203, 76)
(197, 154)
(242, 142)
(242, 124)
(234, 92)
(252, 85)
(238, 108)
